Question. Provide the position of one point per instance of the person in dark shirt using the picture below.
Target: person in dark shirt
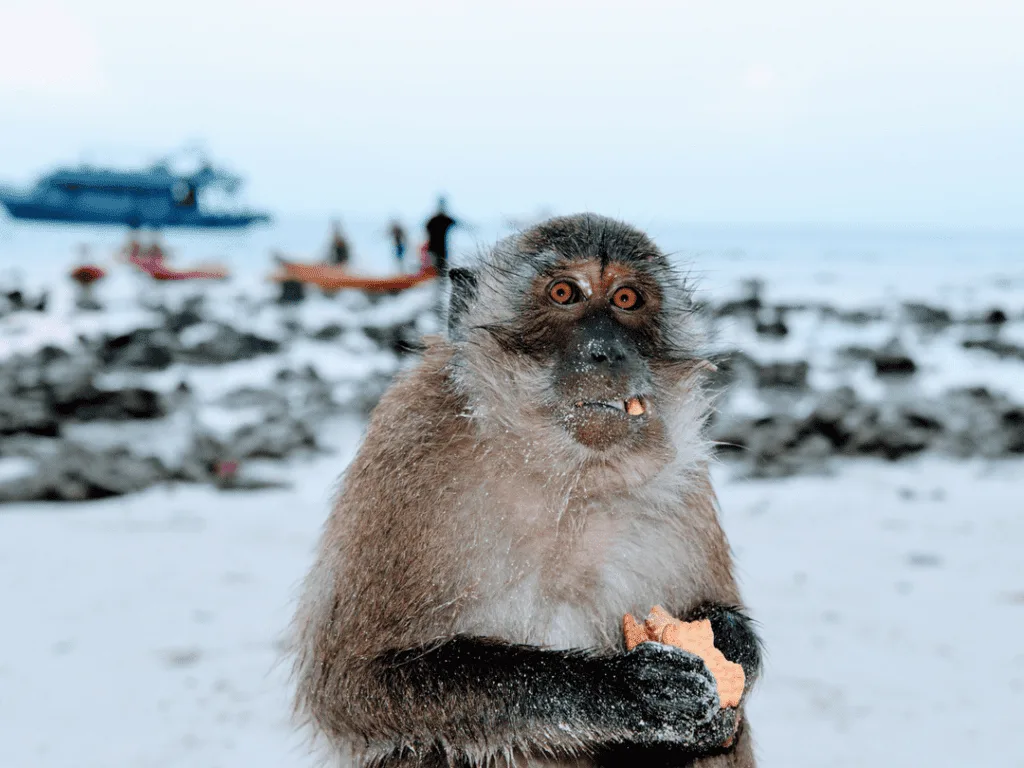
(339, 246)
(437, 235)
(397, 234)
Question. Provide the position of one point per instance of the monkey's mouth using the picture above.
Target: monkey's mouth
(632, 406)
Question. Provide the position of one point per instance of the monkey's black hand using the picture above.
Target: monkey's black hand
(669, 693)
(716, 736)
(735, 637)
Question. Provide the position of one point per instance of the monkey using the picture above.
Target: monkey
(541, 472)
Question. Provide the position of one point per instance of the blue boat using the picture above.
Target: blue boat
(154, 197)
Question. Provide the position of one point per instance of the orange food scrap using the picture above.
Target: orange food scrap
(634, 631)
(696, 637)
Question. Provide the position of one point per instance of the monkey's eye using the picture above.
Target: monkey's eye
(627, 298)
(565, 292)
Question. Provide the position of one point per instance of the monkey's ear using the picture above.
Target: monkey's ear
(463, 291)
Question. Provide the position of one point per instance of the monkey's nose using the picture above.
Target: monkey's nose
(604, 351)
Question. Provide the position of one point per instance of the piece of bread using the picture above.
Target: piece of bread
(696, 637)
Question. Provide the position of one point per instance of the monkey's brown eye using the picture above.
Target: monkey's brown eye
(626, 298)
(564, 292)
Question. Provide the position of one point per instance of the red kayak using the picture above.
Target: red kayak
(87, 274)
(333, 278)
(155, 267)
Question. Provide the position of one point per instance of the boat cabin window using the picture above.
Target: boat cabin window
(184, 195)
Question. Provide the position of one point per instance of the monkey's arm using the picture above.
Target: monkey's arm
(477, 696)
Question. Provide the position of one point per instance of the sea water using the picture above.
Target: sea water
(841, 266)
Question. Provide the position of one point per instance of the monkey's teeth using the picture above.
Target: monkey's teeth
(635, 406)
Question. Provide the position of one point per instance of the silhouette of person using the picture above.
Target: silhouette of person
(339, 245)
(437, 235)
(398, 242)
(155, 252)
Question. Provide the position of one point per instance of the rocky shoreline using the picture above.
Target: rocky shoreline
(101, 417)
(117, 412)
(961, 423)
(803, 429)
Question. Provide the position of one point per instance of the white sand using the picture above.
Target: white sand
(146, 631)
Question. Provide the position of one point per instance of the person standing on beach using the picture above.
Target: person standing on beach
(397, 234)
(437, 235)
(339, 253)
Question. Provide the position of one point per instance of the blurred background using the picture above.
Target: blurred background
(221, 225)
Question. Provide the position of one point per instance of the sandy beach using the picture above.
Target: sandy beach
(148, 628)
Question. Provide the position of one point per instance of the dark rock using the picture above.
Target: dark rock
(228, 345)
(836, 417)
(201, 460)
(886, 365)
(1003, 349)
(71, 472)
(109, 473)
(329, 332)
(144, 348)
(18, 301)
(853, 317)
(962, 422)
(49, 354)
(29, 413)
(27, 485)
(401, 339)
(774, 446)
(1013, 427)
(306, 374)
(775, 328)
(786, 375)
(889, 441)
(275, 438)
(857, 353)
(190, 314)
(112, 405)
(748, 307)
(731, 365)
(995, 317)
(253, 397)
(925, 315)
(893, 360)
(800, 306)
(979, 422)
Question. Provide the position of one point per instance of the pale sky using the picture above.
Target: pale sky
(894, 112)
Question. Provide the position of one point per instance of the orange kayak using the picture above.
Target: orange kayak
(333, 278)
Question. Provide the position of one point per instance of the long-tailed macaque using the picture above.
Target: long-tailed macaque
(541, 473)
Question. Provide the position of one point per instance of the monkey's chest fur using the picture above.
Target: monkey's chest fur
(561, 573)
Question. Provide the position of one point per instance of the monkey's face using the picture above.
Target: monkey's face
(594, 324)
(578, 334)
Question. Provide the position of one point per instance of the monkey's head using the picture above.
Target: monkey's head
(578, 335)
